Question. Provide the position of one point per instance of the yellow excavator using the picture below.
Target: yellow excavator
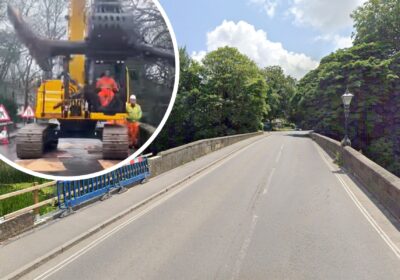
(101, 38)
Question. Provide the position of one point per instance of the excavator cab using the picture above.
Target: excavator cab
(118, 71)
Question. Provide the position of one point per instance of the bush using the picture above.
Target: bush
(13, 204)
(9, 175)
(12, 180)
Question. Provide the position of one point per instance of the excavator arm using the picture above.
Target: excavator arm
(41, 49)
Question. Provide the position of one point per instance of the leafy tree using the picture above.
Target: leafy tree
(238, 87)
(180, 129)
(382, 151)
(371, 72)
(378, 21)
(223, 95)
(370, 69)
(281, 91)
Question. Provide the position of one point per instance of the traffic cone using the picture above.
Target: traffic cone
(4, 137)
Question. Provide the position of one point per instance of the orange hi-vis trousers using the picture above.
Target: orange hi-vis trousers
(133, 130)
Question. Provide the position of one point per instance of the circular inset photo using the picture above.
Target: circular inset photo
(86, 85)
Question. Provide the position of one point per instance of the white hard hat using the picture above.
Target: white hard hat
(133, 97)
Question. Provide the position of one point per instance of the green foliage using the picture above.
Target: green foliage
(13, 204)
(382, 151)
(378, 21)
(9, 175)
(239, 86)
(281, 93)
(339, 159)
(12, 180)
(371, 72)
(225, 94)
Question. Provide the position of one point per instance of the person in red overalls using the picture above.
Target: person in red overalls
(107, 88)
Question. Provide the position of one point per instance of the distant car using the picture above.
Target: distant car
(267, 126)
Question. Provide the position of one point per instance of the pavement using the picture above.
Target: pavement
(268, 208)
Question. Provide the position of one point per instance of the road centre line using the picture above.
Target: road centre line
(216, 164)
(269, 181)
(280, 153)
(244, 249)
(363, 210)
(33, 265)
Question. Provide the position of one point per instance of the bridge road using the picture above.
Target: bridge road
(274, 210)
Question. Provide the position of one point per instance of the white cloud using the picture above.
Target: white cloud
(255, 44)
(198, 56)
(268, 6)
(339, 42)
(324, 15)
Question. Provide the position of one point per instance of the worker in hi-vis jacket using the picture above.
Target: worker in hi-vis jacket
(134, 115)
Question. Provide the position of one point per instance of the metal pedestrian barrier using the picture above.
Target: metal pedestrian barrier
(73, 193)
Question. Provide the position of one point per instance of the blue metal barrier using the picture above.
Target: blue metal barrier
(73, 193)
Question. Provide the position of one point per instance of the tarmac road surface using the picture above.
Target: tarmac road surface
(274, 210)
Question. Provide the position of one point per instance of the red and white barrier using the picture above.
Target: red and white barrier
(4, 137)
(136, 160)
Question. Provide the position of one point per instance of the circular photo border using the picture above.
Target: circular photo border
(148, 142)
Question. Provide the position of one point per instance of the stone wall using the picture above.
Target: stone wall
(165, 161)
(15, 226)
(176, 157)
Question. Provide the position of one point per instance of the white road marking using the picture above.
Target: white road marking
(102, 238)
(364, 211)
(269, 181)
(244, 248)
(97, 241)
(280, 153)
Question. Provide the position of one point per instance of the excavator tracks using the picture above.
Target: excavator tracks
(115, 142)
(34, 139)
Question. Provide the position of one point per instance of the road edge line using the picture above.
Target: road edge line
(370, 219)
(68, 245)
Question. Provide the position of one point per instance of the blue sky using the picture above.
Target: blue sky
(295, 34)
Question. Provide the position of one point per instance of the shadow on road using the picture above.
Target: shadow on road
(394, 221)
(339, 172)
(299, 134)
